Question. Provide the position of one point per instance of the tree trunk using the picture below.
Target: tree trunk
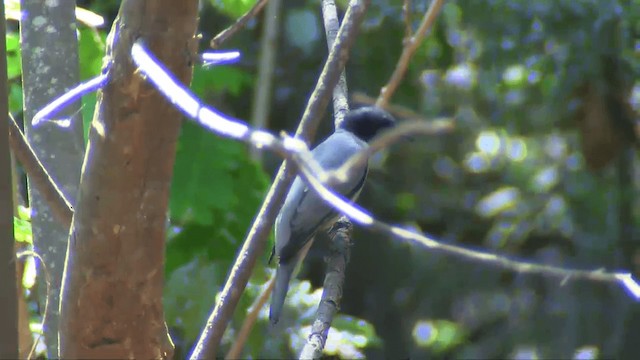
(49, 69)
(112, 286)
(8, 289)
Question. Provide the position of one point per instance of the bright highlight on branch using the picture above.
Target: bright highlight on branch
(69, 97)
(220, 57)
(311, 172)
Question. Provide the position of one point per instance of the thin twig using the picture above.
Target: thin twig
(47, 279)
(59, 204)
(261, 104)
(397, 110)
(388, 138)
(239, 24)
(331, 27)
(410, 46)
(249, 321)
(406, 16)
(332, 288)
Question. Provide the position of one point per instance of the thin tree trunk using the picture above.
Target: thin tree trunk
(112, 286)
(50, 68)
(8, 289)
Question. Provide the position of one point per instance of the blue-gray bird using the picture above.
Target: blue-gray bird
(304, 213)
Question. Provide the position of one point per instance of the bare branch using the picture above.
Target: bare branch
(331, 26)
(239, 24)
(397, 110)
(406, 16)
(410, 46)
(332, 288)
(261, 104)
(47, 280)
(59, 204)
(236, 349)
(399, 133)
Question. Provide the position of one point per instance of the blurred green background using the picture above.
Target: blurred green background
(538, 167)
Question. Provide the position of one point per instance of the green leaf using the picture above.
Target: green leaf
(24, 213)
(233, 8)
(15, 98)
(91, 50)
(22, 231)
(14, 58)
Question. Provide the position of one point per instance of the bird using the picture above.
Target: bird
(304, 213)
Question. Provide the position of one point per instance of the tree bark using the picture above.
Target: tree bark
(112, 286)
(50, 68)
(8, 289)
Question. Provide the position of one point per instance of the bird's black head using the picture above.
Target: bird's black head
(367, 122)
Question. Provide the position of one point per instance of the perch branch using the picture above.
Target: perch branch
(332, 289)
(410, 47)
(60, 205)
(324, 317)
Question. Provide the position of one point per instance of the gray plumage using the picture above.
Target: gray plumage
(304, 213)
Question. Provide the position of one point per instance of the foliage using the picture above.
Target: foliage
(22, 226)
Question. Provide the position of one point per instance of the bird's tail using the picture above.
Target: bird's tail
(280, 289)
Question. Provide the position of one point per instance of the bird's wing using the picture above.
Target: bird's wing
(304, 211)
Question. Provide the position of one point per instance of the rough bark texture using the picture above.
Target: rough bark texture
(50, 68)
(112, 287)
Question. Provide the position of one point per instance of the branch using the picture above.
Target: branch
(261, 104)
(397, 110)
(410, 46)
(401, 132)
(406, 16)
(59, 204)
(332, 289)
(340, 91)
(239, 24)
(324, 316)
(249, 321)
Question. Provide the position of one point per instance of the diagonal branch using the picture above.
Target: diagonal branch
(410, 47)
(239, 24)
(60, 205)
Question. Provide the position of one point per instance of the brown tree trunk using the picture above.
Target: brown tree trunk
(111, 303)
